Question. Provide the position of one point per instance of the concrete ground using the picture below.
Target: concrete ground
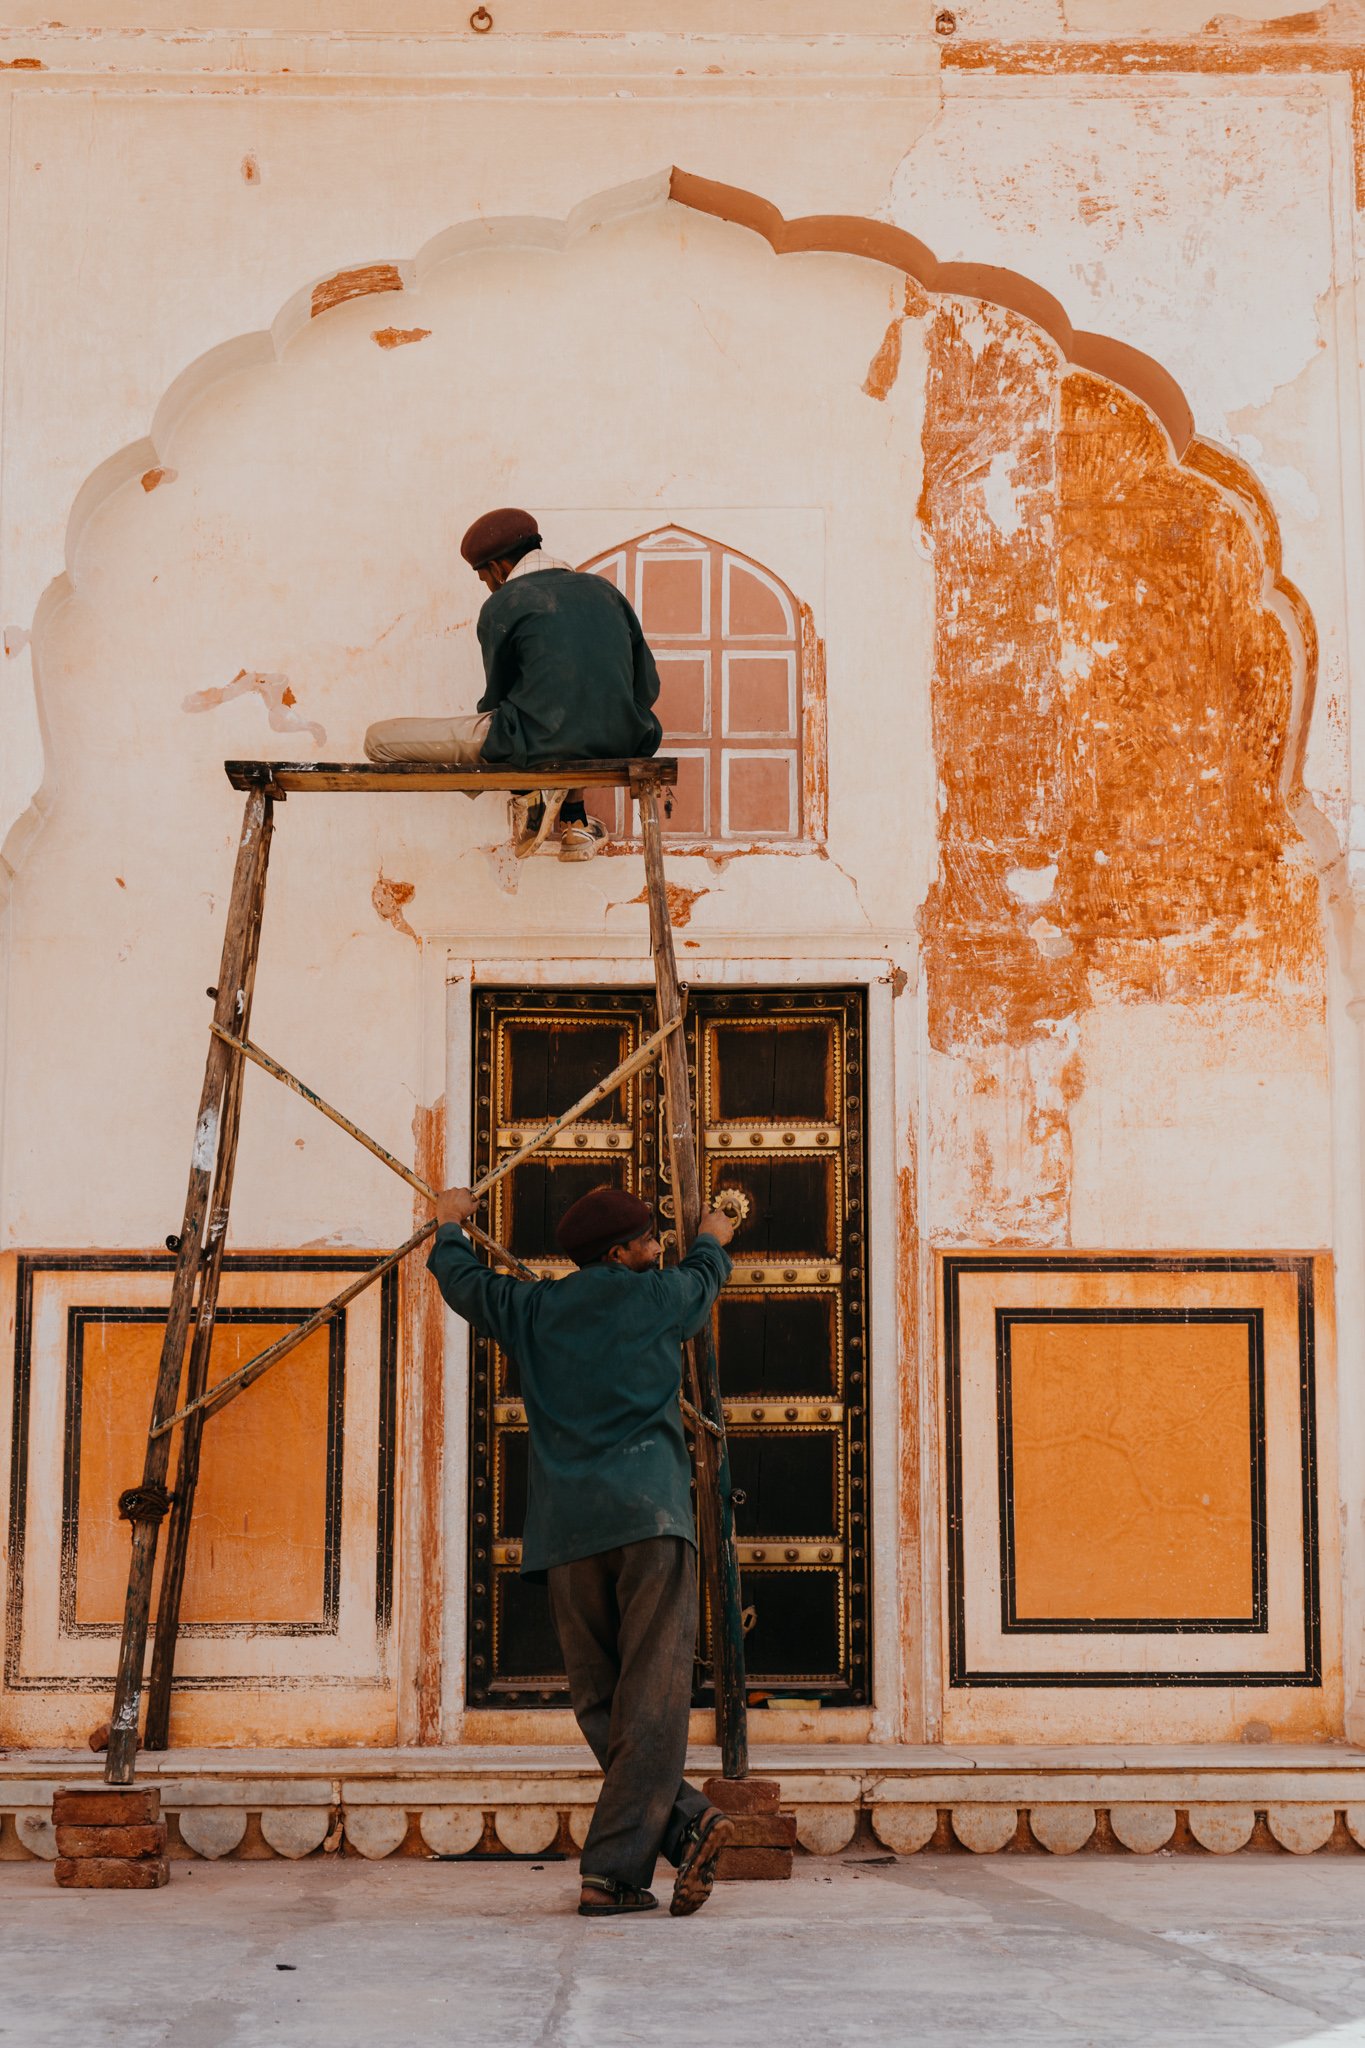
(1257, 1951)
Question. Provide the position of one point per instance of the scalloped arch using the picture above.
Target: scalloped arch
(844, 234)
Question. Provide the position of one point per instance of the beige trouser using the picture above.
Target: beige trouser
(449, 742)
(446, 742)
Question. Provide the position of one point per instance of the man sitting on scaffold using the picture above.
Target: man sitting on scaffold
(569, 677)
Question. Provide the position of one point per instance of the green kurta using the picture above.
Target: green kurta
(600, 1353)
(569, 673)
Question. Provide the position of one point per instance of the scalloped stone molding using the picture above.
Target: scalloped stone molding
(408, 1804)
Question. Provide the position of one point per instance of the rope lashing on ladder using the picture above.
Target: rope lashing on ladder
(144, 1503)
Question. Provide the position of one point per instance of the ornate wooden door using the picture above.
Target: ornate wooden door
(778, 1086)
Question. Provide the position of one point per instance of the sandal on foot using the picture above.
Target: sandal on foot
(580, 841)
(534, 814)
(701, 1845)
(614, 1898)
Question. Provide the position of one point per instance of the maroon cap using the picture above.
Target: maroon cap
(497, 534)
(600, 1219)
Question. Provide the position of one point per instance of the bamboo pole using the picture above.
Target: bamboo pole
(414, 1180)
(641, 1057)
(237, 1382)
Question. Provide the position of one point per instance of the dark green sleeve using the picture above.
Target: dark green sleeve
(494, 1303)
(497, 640)
(694, 1283)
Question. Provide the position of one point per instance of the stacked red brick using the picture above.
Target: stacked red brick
(764, 1837)
(110, 1838)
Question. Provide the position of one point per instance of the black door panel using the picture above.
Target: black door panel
(777, 1079)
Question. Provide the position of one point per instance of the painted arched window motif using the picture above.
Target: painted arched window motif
(727, 636)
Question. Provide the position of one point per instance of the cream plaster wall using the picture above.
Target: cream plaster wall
(307, 530)
(321, 484)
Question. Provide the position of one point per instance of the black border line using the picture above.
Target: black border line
(1257, 1622)
(30, 1264)
(1300, 1265)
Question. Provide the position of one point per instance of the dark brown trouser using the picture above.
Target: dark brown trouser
(627, 1626)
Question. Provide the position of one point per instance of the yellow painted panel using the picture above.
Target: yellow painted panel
(257, 1544)
(1132, 1471)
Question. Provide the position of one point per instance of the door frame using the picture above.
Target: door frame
(902, 1405)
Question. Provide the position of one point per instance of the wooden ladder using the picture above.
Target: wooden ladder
(184, 1399)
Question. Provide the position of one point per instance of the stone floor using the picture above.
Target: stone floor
(1253, 1952)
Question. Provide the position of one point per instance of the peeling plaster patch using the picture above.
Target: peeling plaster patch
(1077, 658)
(681, 902)
(998, 489)
(389, 898)
(398, 337)
(502, 859)
(1179, 885)
(1198, 677)
(1148, 216)
(355, 284)
(1051, 941)
(885, 366)
(1032, 885)
(152, 477)
(1289, 488)
(273, 691)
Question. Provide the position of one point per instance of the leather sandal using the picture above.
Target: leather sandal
(534, 816)
(701, 1845)
(615, 1898)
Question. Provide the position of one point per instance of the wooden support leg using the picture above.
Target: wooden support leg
(715, 1515)
(199, 1263)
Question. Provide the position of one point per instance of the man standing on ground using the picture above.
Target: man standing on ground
(609, 1513)
(569, 678)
